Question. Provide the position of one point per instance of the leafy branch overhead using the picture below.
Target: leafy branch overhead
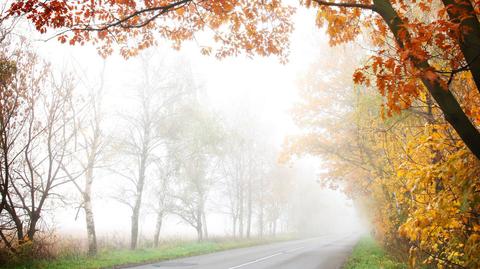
(250, 27)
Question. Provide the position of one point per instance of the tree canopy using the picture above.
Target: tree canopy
(417, 47)
(251, 27)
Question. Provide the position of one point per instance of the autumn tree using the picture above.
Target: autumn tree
(415, 179)
(425, 36)
(37, 128)
(14, 97)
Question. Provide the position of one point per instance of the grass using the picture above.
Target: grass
(121, 258)
(367, 254)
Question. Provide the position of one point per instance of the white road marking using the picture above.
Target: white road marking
(257, 260)
(265, 258)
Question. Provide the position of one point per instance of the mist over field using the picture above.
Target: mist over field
(248, 99)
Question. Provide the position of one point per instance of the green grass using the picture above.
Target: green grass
(367, 254)
(119, 258)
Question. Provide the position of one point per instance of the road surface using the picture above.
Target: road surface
(326, 252)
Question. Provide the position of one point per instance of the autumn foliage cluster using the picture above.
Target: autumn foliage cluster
(388, 138)
(410, 173)
(246, 26)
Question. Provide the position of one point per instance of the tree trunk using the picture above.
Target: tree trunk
(234, 226)
(462, 12)
(158, 227)
(139, 194)
(199, 233)
(135, 218)
(205, 228)
(444, 97)
(16, 220)
(249, 207)
(134, 228)
(87, 206)
(261, 221)
(240, 215)
(91, 234)
(274, 228)
(199, 229)
(32, 229)
(261, 225)
(199, 226)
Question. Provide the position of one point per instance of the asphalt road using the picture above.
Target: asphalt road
(326, 252)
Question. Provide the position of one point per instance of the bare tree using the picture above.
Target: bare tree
(136, 150)
(88, 155)
(165, 172)
(242, 162)
(234, 164)
(200, 133)
(277, 197)
(147, 131)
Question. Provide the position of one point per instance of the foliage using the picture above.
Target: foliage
(36, 129)
(416, 179)
(417, 48)
(252, 27)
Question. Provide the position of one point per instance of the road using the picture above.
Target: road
(326, 252)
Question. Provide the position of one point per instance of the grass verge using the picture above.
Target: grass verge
(367, 254)
(122, 258)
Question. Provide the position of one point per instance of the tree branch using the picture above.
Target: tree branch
(120, 22)
(349, 5)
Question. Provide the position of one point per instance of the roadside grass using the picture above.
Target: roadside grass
(367, 254)
(123, 258)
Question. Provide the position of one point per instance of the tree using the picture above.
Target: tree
(277, 195)
(415, 179)
(37, 127)
(200, 132)
(87, 155)
(149, 130)
(234, 162)
(138, 147)
(239, 26)
(422, 55)
(242, 161)
(165, 174)
(432, 44)
(12, 125)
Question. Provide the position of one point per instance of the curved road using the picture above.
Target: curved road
(326, 252)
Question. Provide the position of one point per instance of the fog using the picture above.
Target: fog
(190, 145)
